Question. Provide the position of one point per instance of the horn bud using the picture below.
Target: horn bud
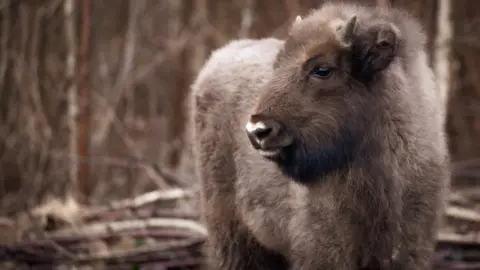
(297, 20)
(345, 30)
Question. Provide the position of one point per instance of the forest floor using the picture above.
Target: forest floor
(154, 231)
(459, 237)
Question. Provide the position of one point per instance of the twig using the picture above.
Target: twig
(93, 229)
(154, 171)
(124, 79)
(71, 64)
(463, 214)
(84, 98)
(157, 248)
(161, 253)
(141, 214)
(6, 222)
(470, 193)
(38, 108)
(4, 43)
(163, 234)
(174, 48)
(146, 198)
(132, 147)
(471, 238)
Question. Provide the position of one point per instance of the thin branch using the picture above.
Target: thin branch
(124, 79)
(154, 171)
(71, 70)
(147, 198)
(158, 234)
(443, 48)
(174, 48)
(157, 248)
(449, 237)
(84, 98)
(463, 214)
(4, 43)
(95, 228)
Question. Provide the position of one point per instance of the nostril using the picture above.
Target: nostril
(267, 134)
(262, 133)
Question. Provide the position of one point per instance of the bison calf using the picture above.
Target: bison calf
(323, 151)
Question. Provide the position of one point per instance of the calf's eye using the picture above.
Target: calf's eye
(322, 72)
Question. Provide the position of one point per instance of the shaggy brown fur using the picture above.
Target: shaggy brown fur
(349, 165)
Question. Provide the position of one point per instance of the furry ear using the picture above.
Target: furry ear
(384, 48)
(375, 48)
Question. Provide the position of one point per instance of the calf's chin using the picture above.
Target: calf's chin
(322, 145)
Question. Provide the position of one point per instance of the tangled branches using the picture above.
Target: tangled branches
(145, 230)
(151, 230)
(459, 238)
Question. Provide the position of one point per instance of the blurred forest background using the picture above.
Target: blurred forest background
(93, 122)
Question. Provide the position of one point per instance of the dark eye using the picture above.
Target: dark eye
(322, 72)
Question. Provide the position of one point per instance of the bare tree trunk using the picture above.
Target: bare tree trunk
(176, 113)
(4, 42)
(247, 19)
(383, 3)
(443, 48)
(124, 80)
(71, 63)
(293, 8)
(84, 100)
(200, 21)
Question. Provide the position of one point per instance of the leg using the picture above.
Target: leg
(229, 245)
(419, 230)
(314, 260)
(231, 248)
(322, 250)
(240, 255)
(423, 212)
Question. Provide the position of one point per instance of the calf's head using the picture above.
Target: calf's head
(314, 113)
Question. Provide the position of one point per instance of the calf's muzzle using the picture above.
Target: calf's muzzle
(267, 135)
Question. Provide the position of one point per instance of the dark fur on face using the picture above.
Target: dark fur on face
(321, 144)
(304, 165)
(327, 116)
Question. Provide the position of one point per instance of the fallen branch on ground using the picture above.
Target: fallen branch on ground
(147, 231)
(124, 233)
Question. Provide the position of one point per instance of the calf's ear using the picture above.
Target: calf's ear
(383, 50)
(374, 49)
